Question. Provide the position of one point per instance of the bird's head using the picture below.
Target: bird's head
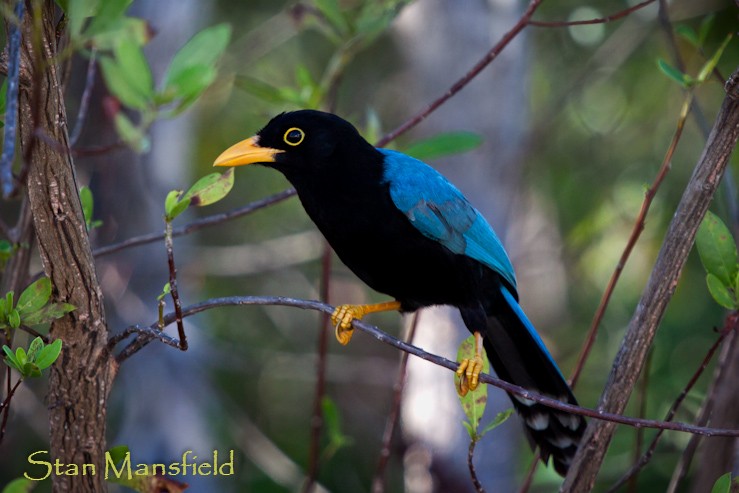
(297, 142)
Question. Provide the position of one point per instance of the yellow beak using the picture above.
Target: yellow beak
(246, 152)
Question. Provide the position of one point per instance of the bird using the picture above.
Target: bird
(408, 232)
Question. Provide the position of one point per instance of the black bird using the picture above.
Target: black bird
(406, 231)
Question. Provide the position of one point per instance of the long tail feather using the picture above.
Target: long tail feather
(519, 356)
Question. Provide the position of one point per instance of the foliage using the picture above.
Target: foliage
(718, 253)
(33, 307)
(39, 357)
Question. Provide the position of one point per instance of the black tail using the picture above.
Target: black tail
(519, 356)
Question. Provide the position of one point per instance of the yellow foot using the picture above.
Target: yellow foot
(469, 369)
(344, 315)
(469, 374)
(342, 319)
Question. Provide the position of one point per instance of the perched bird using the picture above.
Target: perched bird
(406, 231)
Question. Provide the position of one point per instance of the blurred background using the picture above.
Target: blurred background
(572, 123)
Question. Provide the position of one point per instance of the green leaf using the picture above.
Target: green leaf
(48, 314)
(705, 28)
(500, 418)
(210, 188)
(87, 202)
(187, 87)
(49, 354)
(717, 249)
(165, 291)
(470, 431)
(110, 13)
(683, 79)
(77, 11)
(332, 13)
(118, 453)
(722, 484)
(336, 438)
(444, 144)
(132, 135)
(10, 358)
(203, 50)
(713, 61)
(31, 370)
(474, 402)
(14, 319)
(34, 296)
(133, 63)
(173, 206)
(122, 85)
(688, 33)
(20, 485)
(20, 356)
(720, 292)
(33, 349)
(131, 28)
(262, 90)
(6, 250)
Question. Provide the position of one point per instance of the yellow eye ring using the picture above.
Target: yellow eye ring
(294, 136)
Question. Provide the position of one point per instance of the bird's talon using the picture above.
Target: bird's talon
(469, 375)
(342, 319)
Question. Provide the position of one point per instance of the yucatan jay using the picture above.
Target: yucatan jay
(406, 231)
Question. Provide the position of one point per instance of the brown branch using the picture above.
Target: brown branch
(378, 481)
(173, 290)
(730, 326)
(205, 222)
(491, 55)
(316, 424)
(631, 243)
(601, 20)
(145, 335)
(471, 466)
(660, 287)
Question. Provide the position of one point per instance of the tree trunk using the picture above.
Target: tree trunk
(80, 379)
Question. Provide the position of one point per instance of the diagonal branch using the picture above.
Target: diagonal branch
(659, 290)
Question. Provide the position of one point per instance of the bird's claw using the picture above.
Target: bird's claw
(469, 375)
(342, 318)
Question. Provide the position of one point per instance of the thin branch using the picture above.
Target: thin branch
(491, 55)
(316, 424)
(85, 99)
(5, 405)
(659, 290)
(601, 20)
(173, 291)
(731, 325)
(631, 243)
(205, 222)
(378, 481)
(145, 335)
(471, 466)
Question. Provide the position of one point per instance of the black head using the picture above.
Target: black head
(299, 142)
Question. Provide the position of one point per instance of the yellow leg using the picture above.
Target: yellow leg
(469, 369)
(344, 314)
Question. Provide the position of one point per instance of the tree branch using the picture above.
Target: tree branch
(659, 290)
(146, 335)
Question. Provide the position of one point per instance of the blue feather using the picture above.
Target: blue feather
(511, 300)
(439, 210)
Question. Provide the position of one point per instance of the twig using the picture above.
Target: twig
(196, 225)
(471, 467)
(601, 20)
(491, 55)
(11, 102)
(631, 243)
(316, 424)
(85, 99)
(378, 481)
(174, 292)
(720, 374)
(659, 290)
(147, 334)
(731, 325)
(5, 405)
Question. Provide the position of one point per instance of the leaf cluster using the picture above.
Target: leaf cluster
(718, 254)
(33, 307)
(38, 357)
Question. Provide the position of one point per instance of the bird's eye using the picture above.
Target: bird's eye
(294, 136)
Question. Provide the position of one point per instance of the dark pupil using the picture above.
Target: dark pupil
(293, 136)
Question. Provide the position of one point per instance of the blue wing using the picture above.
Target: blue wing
(438, 210)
